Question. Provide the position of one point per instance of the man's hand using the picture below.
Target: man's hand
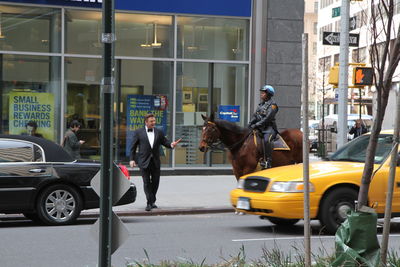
(173, 144)
(81, 142)
(132, 163)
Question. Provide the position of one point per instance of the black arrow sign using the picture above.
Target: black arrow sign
(333, 38)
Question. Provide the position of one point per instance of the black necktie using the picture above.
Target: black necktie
(149, 130)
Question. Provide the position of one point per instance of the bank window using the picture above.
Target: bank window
(213, 38)
(30, 29)
(30, 95)
(145, 87)
(83, 32)
(144, 35)
(83, 76)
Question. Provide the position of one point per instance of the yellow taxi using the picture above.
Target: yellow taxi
(277, 194)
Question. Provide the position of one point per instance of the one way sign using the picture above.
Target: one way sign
(333, 38)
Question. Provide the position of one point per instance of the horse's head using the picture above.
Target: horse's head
(209, 134)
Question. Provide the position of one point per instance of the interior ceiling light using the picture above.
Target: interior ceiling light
(1, 30)
(237, 49)
(193, 46)
(155, 44)
(146, 45)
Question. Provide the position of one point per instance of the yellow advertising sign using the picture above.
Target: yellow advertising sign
(35, 107)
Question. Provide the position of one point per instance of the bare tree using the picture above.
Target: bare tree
(385, 56)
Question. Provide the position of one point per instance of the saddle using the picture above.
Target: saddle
(278, 143)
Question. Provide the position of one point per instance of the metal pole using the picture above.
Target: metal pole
(107, 91)
(306, 178)
(390, 187)
(343, 73)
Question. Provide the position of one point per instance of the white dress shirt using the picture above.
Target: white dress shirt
(150, 135)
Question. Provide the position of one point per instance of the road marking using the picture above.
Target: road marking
(292, 238)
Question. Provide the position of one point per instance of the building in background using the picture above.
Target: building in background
(359, 100)
(311, 27)
(178, 59)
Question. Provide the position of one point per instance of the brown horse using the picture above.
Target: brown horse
(245, 146)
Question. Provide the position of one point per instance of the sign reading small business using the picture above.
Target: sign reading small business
(140, 105)
(28, 106)
(229, 113)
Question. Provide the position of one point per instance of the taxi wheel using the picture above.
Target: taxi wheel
(282, 222)
(335, 206)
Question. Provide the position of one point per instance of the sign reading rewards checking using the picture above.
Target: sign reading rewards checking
(28, 106)
(140, 105)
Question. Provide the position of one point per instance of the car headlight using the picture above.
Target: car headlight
(290, 187)
(240, 184)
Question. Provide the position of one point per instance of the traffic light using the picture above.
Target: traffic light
(334, 75)
(363, 76)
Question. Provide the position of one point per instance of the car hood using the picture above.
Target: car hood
(316, 170)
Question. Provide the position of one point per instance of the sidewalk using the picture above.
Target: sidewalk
(181, 194)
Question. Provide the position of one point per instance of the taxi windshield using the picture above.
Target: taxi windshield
(356, 150)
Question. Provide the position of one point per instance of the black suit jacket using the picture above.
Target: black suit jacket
(146, 153)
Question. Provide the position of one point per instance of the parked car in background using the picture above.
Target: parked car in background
(276, 194)
(39, 179)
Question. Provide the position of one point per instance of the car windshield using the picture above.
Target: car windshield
(356, 150)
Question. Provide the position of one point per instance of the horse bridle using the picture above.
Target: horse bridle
(211, 130)
(213, 143)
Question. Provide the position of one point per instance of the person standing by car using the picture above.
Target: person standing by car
(358, 129)
(71, 144)
(264, 121)
(149, 139)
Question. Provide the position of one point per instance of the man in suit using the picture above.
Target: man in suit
(149, 139)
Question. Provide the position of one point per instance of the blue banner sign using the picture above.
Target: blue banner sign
(239, 8)
(140, 105)
(229, 113)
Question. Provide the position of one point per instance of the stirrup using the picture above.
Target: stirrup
(265, 164)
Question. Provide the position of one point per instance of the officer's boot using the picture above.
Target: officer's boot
(268, 155)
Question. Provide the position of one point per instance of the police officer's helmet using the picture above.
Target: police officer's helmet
(268, 89)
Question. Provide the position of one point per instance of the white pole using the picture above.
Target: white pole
(391, 181)
(306, 178)
(343, 73)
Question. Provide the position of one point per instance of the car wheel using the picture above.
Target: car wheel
(32, 216)
(282, 222)
(335, 206)
(59, 204)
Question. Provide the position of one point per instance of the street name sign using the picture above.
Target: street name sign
(336, 12)
(333, 38)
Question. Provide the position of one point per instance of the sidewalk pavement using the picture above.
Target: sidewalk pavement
(180, 195)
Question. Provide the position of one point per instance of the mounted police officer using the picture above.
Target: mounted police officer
(263, 120)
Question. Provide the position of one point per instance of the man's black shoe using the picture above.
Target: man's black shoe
(148, 207)
(154, 206)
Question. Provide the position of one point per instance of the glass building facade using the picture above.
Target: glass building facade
(182, 65)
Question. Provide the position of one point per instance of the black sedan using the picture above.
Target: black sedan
(39, 179)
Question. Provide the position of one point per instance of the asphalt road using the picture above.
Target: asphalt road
(213, 237)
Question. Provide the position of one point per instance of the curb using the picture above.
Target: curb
(158, 212)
